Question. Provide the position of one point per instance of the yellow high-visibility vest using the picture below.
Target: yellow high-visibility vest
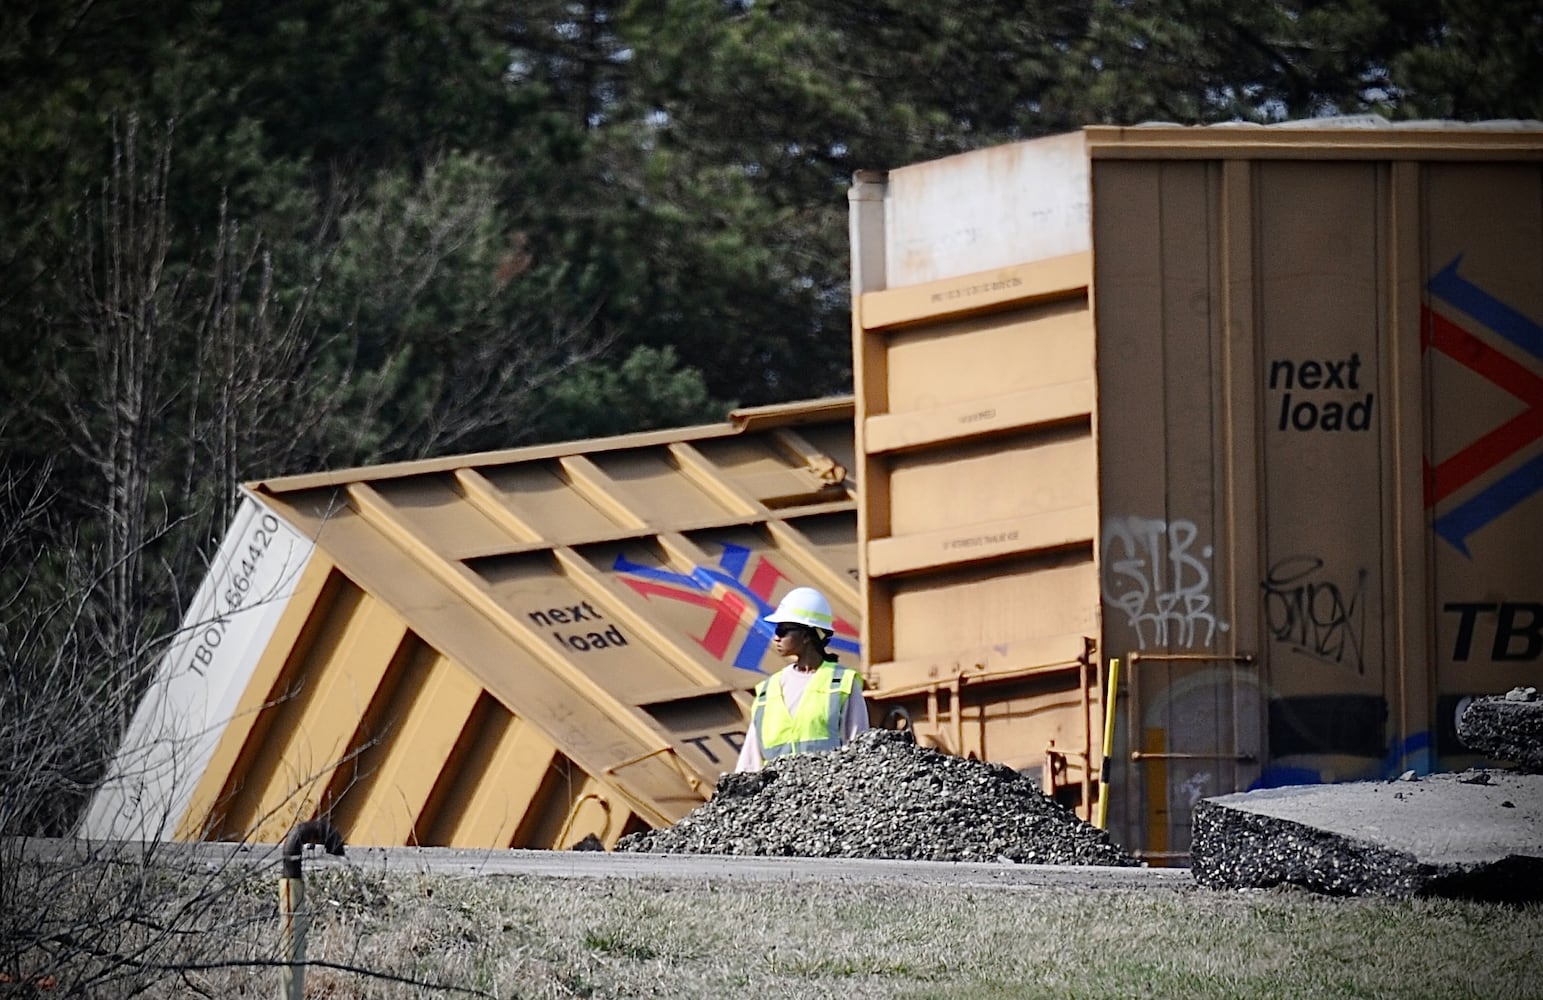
(816, 725)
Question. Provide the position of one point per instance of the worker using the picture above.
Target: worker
(812, 704)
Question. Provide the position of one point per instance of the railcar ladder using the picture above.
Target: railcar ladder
(1149, 754)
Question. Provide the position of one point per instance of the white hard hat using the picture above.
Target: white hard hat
(805, 606)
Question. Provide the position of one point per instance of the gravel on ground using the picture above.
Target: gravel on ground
(883, 796)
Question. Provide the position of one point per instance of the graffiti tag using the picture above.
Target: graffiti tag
(1314, 615)
(1156, 574)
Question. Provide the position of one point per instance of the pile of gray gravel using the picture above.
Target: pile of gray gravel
(882, 796)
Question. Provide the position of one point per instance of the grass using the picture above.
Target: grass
(507, 936)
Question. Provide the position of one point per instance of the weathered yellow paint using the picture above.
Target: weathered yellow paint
(937, 548)
(589, 482)
(495, 604)
(1010, 660)
(483, 495)
(494, 632)
(417, 734)
(316, 721)
(726, 492)
(1017, 285)
(519, 664)
(635, 612)
(958, 421)
(581, 805)
(536, 502)
(223, 775)
(656, 491)
(1407, 615)
(496, 788)
(979, 512)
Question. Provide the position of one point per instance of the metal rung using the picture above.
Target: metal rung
(1241, 659)
(1246, 758)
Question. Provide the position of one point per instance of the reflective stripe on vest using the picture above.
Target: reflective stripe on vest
(816, 723)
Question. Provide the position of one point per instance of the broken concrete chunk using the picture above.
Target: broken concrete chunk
(1447, 835)
(1505, 729)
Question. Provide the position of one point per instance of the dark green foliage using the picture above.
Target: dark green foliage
(647, 391)
(1472, 59)
(1192, 61)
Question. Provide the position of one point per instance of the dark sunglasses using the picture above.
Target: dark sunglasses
(785, 629)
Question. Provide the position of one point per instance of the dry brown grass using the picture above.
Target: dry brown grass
(400, 936)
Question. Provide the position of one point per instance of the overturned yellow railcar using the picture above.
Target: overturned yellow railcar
(514, 649)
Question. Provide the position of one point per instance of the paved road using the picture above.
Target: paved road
(598, 864)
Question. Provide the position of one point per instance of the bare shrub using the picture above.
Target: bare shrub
(180, 351)
(116, 918)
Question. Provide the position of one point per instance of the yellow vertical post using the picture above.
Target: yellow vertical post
(1104, 768)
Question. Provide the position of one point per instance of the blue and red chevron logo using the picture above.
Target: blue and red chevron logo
(1497, 446)
(737, 588)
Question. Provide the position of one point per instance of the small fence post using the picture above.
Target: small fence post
(294, 918)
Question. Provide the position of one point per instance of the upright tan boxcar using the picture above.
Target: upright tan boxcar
(1258, 410)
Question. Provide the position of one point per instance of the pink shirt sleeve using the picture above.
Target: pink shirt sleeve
(750, 751)
(856, 718)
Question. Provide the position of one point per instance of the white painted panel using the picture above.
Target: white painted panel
(201, 679)
(986, 209)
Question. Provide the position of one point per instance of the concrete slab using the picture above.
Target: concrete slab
(1508, 727)
(1476, 834)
